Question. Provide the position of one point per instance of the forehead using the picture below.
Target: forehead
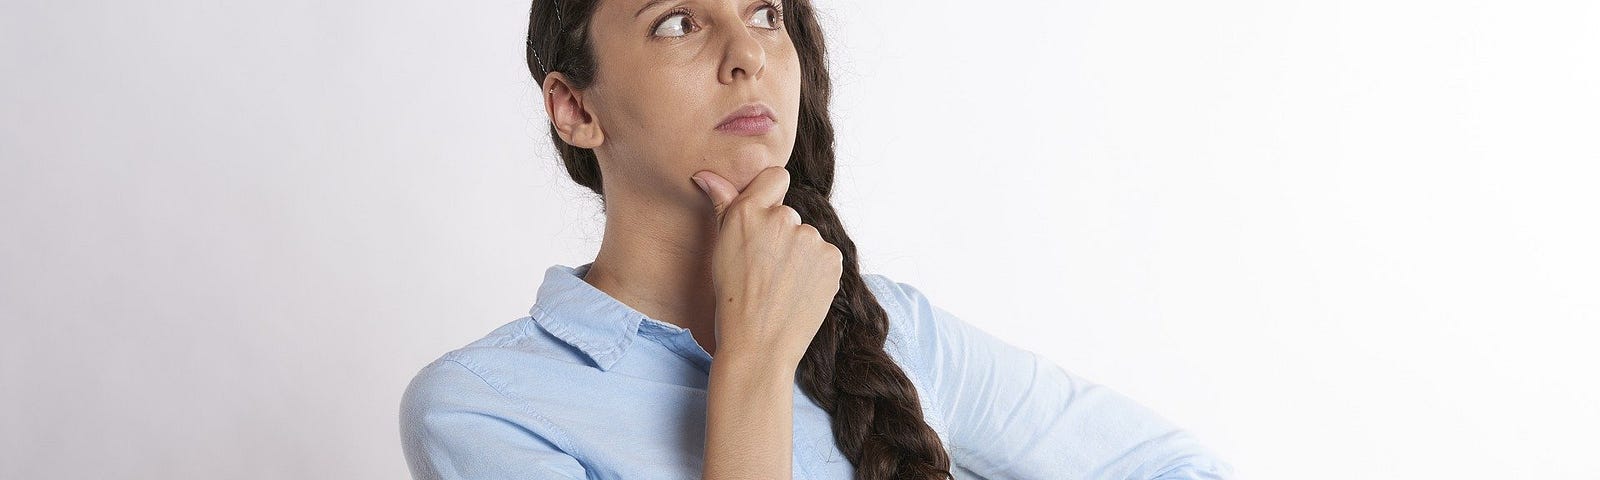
(622, 11)
(641, 10)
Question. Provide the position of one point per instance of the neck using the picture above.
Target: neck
(656, 258)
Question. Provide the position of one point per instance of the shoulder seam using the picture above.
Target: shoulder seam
(564, 441)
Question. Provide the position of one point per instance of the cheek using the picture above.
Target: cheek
(790, 88)
(661, 111)
(664, 129)
(788, 72)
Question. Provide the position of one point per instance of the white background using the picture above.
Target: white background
(1336, 240)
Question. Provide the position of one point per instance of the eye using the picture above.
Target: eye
(675, 25)
(766, 17)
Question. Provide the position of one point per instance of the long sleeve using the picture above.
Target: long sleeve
(1014, 414)
(454, 425)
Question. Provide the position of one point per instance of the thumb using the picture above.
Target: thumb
(718, 189)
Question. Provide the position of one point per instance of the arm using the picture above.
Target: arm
(455, 426)
(1014, 414)
(775, 279)
(749, 418)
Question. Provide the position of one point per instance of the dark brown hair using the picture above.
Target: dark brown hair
(877, 418)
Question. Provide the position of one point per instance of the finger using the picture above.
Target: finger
(718, 189)
(768, 188)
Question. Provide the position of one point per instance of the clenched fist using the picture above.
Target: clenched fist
(774, 276)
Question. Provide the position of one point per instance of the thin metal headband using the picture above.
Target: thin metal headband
(535, 51)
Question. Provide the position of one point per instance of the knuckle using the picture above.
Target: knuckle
(741, 208)
(736, 212)
(789, 214)
(777, 216)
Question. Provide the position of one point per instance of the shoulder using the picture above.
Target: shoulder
(913, 342)
(910, 312)
(483, 407)
(911, 329)
(509, 375)
(889, 292)
(488, 368)
(463, 372)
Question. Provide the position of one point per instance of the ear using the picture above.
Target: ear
(565, 106)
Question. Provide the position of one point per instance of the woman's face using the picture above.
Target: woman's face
(669, 71)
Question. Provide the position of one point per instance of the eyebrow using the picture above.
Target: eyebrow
(647, 6)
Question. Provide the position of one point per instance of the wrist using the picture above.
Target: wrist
(752, 366)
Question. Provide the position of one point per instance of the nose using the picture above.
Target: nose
(744, 55)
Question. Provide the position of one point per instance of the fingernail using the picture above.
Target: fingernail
(701, 183)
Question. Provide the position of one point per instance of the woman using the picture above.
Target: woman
(724, 329)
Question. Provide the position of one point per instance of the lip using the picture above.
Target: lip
(752, 118)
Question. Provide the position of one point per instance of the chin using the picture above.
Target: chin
(745, 161)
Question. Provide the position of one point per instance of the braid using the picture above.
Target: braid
(877, 418)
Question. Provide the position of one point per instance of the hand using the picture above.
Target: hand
(774, 277)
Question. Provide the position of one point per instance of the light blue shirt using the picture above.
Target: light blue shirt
(585, 387)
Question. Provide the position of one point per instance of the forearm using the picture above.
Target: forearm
(749, 419)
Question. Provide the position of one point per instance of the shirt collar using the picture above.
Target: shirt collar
(585, 317)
